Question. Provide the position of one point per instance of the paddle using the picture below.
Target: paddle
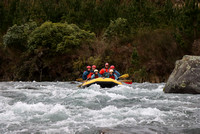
(79, 79)
(124, 76)
(126, 81)
(82, 82)
(80, 85)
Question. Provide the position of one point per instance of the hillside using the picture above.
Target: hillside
(50, 40)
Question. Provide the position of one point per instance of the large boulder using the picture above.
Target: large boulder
(185, 77)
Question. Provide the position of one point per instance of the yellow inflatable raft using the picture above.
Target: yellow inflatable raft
(103, 82)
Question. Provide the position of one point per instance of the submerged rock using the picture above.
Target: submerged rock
(185, 77)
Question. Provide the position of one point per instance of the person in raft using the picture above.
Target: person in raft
(96, 74)
(115, 71)
(87, 74)
(112, 75)
(105, 71)
(93, 68)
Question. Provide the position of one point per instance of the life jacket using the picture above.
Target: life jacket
(96, 76)
(89, 75)
(106, 71)
(112, 76)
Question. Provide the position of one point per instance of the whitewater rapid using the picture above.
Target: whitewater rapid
(62, 107)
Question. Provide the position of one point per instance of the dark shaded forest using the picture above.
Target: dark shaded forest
(54, 40)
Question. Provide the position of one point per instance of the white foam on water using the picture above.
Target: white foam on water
(9, 116)
(4, 102)
(159, 89)
(128, 121)
(60, 93)
(108, 122)
(148, 112)
(71, 110)
(111, 116)
(165, 101)
(92, 92)
(23, 111)
(57, 113)
(86, 93)
(57, 130)
(122, 89)
(57, 108)
(94, 86)
(115, 96)
(21, 107)
(175, 113)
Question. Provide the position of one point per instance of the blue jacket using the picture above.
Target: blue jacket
(117, 73)
(85, 73)
(93, 76)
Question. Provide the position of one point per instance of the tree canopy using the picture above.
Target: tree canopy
(51, 39)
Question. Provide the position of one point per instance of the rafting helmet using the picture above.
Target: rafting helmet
(111, 71)
(94, 66)
(88, 67)
(106, 64)
(112, 67)
(95, 70)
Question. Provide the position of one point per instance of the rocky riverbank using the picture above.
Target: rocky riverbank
(185, 77)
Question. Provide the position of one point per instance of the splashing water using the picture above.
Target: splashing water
(61, 107)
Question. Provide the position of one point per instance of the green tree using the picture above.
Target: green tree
(59, 37)
(118, 28)
(16, 36)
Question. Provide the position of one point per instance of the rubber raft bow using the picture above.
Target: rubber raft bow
(103, 82)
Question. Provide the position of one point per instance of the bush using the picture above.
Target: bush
(59, 37)
(118, 28)
(16, 36)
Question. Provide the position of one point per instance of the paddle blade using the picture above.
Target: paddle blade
(124, 76)
(80, 85)
(127, 81)
(79, 79)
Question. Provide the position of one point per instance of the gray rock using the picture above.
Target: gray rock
(185, 77)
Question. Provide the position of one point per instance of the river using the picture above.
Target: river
(61, 107)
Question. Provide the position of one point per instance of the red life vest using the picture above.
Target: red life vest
(96, 76)
(104, 70)
(112, 76)
(89, 75)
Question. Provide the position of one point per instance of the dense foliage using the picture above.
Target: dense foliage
(55, 40)
(58, 37)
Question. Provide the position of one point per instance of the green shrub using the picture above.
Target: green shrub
(59, 37)
(16, 36)
(118, 28)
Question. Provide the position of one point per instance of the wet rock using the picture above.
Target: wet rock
(185, 77)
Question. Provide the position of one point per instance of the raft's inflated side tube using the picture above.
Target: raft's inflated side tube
(103, 82)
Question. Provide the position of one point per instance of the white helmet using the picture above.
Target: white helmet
(111, 70)
(95, 70)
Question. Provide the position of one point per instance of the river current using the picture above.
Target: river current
(62, 107)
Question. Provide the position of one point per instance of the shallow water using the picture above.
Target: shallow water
(61, 107)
